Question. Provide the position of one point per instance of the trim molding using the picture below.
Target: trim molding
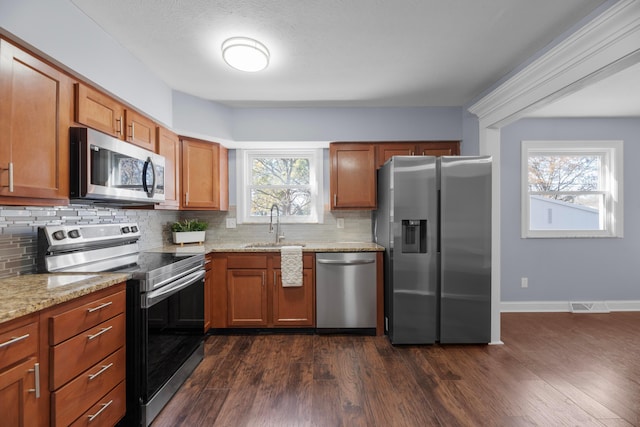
(561, 306)
(604, 46)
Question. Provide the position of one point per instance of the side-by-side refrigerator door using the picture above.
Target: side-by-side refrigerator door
(465, 305)
(414, 231)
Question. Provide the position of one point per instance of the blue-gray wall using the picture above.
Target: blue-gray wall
(569, 269)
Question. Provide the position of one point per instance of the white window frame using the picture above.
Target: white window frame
(612, 185)
(243, 170)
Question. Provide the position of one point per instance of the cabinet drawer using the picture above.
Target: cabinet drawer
(79, 395)
(18, 344)
(79, 353)
(70, 323)
(307, 261)
(107, 412)
(247, 261)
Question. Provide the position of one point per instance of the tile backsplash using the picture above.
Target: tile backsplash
(19, 229)
(19, 226)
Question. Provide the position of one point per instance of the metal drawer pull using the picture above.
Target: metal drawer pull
(100, 307)
(96, 335)
(104, 406)
(14, 340)
(119, 121)
(10, 170)
(101, 371)
(36, 371)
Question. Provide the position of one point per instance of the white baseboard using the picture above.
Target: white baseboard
(561, 306)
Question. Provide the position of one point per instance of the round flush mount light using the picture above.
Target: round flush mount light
(245, 54)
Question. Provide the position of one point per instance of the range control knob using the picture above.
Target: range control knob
(74, 234)
(59, 235)
(126, 230)
(134, 229)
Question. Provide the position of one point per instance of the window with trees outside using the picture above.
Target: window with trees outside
(289, 179)
(572, 189)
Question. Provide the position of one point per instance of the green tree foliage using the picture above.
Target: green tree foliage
(281, 181)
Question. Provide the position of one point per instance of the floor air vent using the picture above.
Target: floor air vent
(589, 307)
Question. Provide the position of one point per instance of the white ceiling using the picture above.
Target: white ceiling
(346, 52)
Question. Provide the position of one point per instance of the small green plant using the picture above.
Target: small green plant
(189, 225)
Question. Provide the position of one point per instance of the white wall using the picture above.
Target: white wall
(59, 31)
(569, 269)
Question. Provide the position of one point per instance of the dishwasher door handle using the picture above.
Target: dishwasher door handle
(342, 262)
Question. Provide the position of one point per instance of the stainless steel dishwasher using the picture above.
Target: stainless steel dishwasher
(346, 291)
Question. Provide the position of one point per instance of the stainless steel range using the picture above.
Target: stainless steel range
(165, 305)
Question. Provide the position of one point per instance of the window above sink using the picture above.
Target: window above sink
(290, 179)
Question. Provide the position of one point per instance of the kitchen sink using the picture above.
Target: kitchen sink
(263, 245)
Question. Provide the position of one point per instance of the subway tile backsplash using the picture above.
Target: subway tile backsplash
(19, 226)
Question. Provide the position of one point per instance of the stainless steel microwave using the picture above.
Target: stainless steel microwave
(106, 169)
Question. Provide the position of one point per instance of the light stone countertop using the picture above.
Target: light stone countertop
(209, 247)
(22, 295)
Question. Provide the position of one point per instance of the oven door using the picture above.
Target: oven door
(173, 327)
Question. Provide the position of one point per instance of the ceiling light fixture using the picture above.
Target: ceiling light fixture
(245, 54)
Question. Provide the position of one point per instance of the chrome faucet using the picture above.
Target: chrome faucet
(279, 237)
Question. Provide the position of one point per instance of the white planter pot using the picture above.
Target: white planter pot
(183, 237)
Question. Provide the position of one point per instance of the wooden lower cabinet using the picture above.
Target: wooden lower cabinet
(247, 298)
(293, 305)
(247, 291)
(20, 374)
(86, 353)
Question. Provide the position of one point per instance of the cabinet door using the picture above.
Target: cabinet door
(140, 130)
(18, 401)
(439, 148)
(388, 150)
(246, 298)
(353, 176)
(293, 306)
(98, 111)
(200, 175)
(168, 145)
(35, 113)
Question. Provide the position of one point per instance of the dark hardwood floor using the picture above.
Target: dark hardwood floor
(554, 369)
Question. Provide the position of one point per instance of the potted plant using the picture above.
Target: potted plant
(189, 231)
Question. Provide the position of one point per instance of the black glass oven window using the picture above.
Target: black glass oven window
(174, 330)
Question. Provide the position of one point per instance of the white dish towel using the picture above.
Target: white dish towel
(291, 259)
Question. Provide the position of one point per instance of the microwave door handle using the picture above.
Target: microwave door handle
(145, 185)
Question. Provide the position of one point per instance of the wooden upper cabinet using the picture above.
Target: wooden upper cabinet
(438, 148)
(101, 112)
(352, 176)
(390, 149)
(35, 114)
(140, 130)
(386, 150)
(205, 181)
(168, 146)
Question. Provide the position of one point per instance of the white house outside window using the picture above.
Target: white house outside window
(572, 189)
(290, 179)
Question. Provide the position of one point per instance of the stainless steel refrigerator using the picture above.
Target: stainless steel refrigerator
(434, 219)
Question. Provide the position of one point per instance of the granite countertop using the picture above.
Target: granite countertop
(209, 247)
(22, 295)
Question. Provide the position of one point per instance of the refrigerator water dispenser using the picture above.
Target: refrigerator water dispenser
(414, 236)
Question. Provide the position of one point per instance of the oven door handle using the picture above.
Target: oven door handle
(171, 279)
(151, 298)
